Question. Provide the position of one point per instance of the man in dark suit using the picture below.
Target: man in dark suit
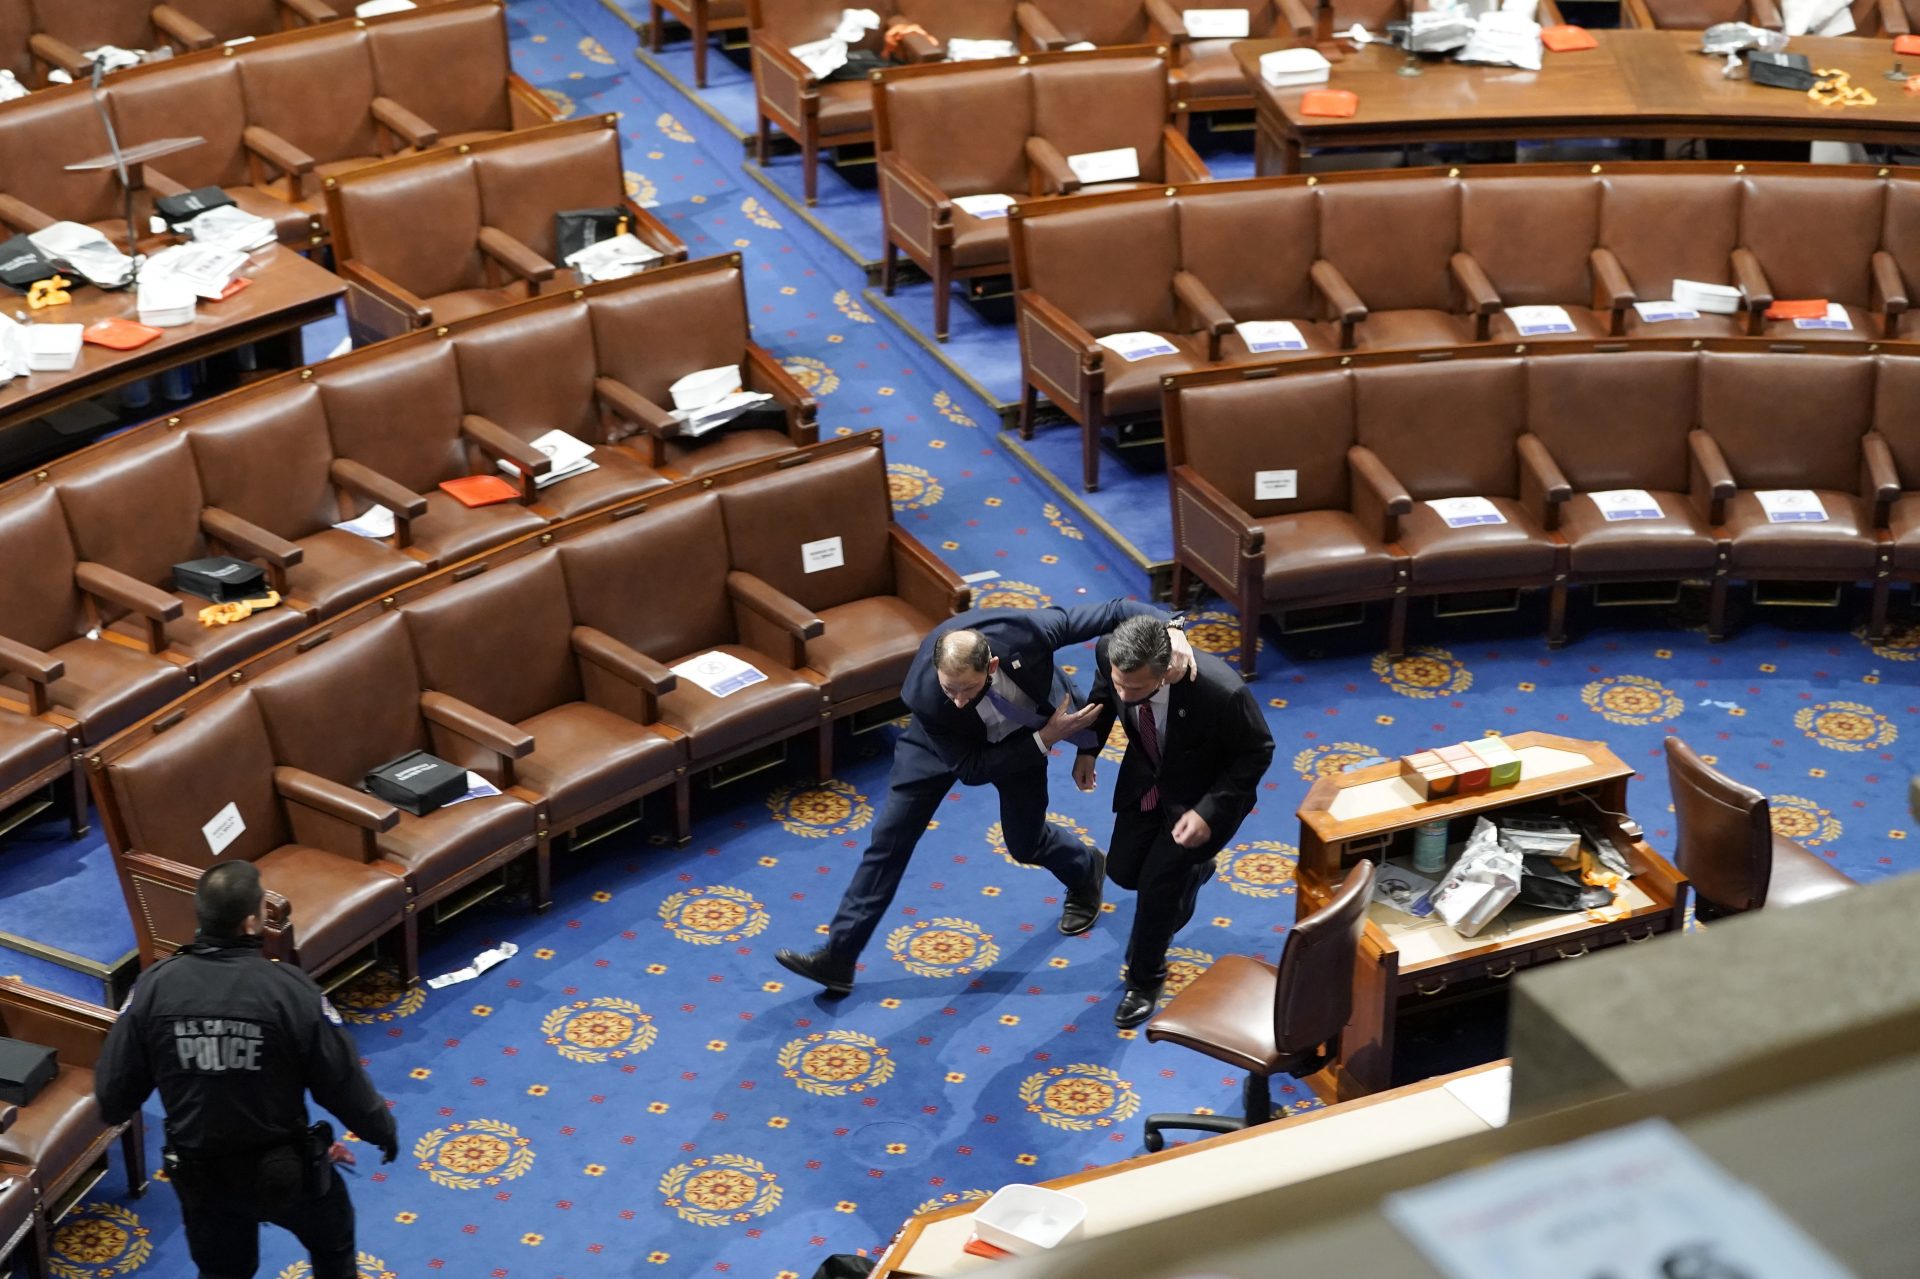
(1196, 751)
(988, 709)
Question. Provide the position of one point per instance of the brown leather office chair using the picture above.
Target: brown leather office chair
(1724, 843)
(1697, 15)
(1270, 1021)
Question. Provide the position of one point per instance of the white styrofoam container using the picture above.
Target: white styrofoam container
(53, 348)
(1027, 1219)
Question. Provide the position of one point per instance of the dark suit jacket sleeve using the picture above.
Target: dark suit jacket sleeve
(1082, 622)
(1103, 694)
(1242, 732)
(982, 764)
(122, 1078)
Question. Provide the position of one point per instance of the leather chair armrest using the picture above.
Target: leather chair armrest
(9, 1115)
(1766, 14)
(1183, 162)
(312, 12)
(1879, 477)
(1481, 297)
(1251, 536)
(1752, 279)
(75, 1029)
(474, 724)
(515, 256)
(122, 591)
(323, 795)
(1709, 481)
(630, 406)
(502, 445)
(22, 217)
(1542, 485)
(1193, 294)
(1165, 19)
(915, 47)
(1064, 327)
(918, 187)
(593, 645)
(1893, 18)
(654, 233)
(277, 151)
(363, 481)
(782, 81)
(923, 579)
(1612, 290)
(182, 30)
(1635, 16)
(403, 123)
(754, 593)
(59, 54)
(1379, 498)
(1292, 15)
(1037, 28)
(253, 542)
(766, 374)
(387, 290)
(37, 668)
(1048, 164)
(1345, 304)
(157, 183)
(1889, 292)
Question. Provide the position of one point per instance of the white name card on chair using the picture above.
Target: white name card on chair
(1122, 164)
(1217, 24)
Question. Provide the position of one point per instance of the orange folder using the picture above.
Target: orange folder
(234, 285)
(981, 1248)
(119, 334)
(1331, 102)
(1906, 44)
(1568, 39)
(480, 490)
(1807, 309)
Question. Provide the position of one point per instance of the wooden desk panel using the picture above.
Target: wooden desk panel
(1642, 84)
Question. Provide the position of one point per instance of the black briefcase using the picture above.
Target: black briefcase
(22, 265)
(175, 209)
(24, 1070)
(1781, 70)
(220, 578)
(576, 229)
(417, 782)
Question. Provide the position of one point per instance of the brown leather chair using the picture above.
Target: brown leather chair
(662, 587)
(58, 1136)
(1896, 429)
(687, 318)
(66, 30)
(1389, 267)
(1317, 549)
(366, 679)
(1270, 1020)
(701, 18)
(329, 892)
(23, 1230)
(231, 19)
(814, 113)
(1597, 423)
(1273, 284)
(37, 753)
(1698, 15)
(1529, 242)
(876, 606)
(1802, 239)
(51, 602)
(16, 34)
(1639, 257)
(450, 65)
(548, 704)
(41, 134)
(140, 511)
(1798, 423)
(403, 469)
(1725, 844)
(1886, 18)
(1206, 78)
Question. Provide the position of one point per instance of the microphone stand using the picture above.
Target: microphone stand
(120, 167)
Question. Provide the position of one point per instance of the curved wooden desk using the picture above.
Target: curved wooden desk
(1636, 84)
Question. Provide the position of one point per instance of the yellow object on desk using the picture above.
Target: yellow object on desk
(51, 292)
(1836, 89)
(237, 610)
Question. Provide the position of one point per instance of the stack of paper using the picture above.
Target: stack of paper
(1465, 512)
(115, 58)
(229, 227)
(166, 302)
(1262, 336)
(375, 522)
(1138, 345)
(1504, 39)
(711, 398)
(570, 456)
(985, 206)
(979, 50)
(13, 350)
(614, 259)
(83, 249)
(1659, 311)
(53, 348)
(1438, 30)
(1534, 321)
(1695, 295)
(1286, 68)
(376, 8)
(207, 269)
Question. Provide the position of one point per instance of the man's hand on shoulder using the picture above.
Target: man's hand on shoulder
(1183, 665)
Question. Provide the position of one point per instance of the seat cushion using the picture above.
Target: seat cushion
(981, 242)
(1866, 328)
(336, 902)
(585, 756)
(1677, 543)
(1208, 70)
(1588, 326)
(1800, 876)
(108, 685)
(1404, 330)
(1314, 554)
(619, 475)
(846, 107)
(442, 845)
(782, 704)
(448, 307)
(28, 746)
(727, 448)
(867, 645)
(56, 1129)
(1227, 1014)
(1321, 339)
(1903, 521)
(1842, 544)
(1445, 556)
(340, 570)
(451, 531)
(218, 648)
(1133, 389)
(1707, 325)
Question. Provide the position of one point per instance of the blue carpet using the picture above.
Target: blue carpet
(1132, 500)
(641, 1091)
(64, 892)
(981, 339)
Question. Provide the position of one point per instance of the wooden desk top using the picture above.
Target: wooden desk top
(287, 291)
(1634, 78)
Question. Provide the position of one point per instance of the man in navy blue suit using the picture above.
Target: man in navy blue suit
(988, 709)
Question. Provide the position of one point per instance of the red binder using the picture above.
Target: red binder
(1568, 39)
(480, 490)
(1338, 103)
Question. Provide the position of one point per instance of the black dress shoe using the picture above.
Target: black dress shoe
(818, 966)
(1136, 1005)
(1083, 903)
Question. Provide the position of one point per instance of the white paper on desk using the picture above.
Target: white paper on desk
(980, 50)
(1488, 1094)
(821, 57)
(1625, 504)
(1637, 1201)
(614, 258)
(985, 206)
(13, 350)
(481, 962)
(1658, 312)
(1505, 39)
(1137, 346)
(1217, 24)
(86, 251)
(165, 303)
(53, 348)
(1404, 891)
(1271, 335)
(376, 8)
(697, 422)
(11, 88)
(719, 674)
(207, 269)
(375, 522)
(1122, 164)
(1465, 512)
(1816, 17)
(570, 456)
(228, 227)
(1286, 68)
(1533, 321)
(478, 787)
(1792, 506)
(1081, 46)
(855, 23)
(1835, 318)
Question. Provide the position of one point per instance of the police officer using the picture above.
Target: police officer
(234, 1042)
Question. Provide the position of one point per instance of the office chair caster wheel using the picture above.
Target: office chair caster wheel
(1155, 1140)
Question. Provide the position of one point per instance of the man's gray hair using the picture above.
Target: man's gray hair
(1140, 641)
(959, 652)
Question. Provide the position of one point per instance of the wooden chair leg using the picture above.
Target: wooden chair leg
(761, 142)
(810, 178)
(1397, 625)
(699, 45)
(1877, 618)
(1249, 606)
(823, 752)
(1557, 616)
(1090, 451)
(942, 294)
(889, 262)
(683, 810)
(1717, 608)
(133, 1148)
(655, 35)
(410, 949)
(1029, 405)
(1180, 587)
(77, 796)
(542, 874)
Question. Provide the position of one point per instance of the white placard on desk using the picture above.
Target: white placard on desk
(1662, 311)
(1835, 318)
(1625, 504)
(1640, 1202)
(1217, 24)
(1122, 164)
(1533, 321)
(1791, 506)
(1465, 512)
(720, 674)
(1271, 335)
(1276, 486)
(1137, 345)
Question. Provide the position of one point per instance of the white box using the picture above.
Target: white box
(53, 348)
(1285, 68)
(1027, 1219)
(1721, 299)
(166, 303)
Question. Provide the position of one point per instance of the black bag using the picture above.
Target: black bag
(220, 578)
(417, 782)
(860, 65)
(24, 1070)
(1546, 886)
(22, 265)
(1781, 70)
(175, 209)
(575, 229)
(844, 1265)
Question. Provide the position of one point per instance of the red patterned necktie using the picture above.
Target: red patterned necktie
(1149, 742)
